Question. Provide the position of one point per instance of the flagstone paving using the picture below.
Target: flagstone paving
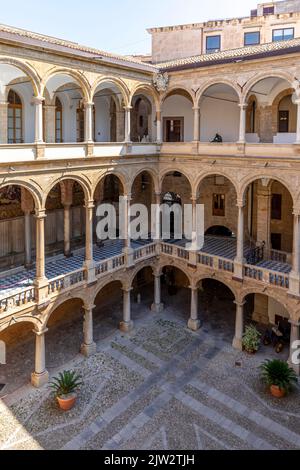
(159, 387)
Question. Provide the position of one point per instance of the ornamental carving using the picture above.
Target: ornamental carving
(161, 81)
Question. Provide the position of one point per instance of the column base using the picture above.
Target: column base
(88, 350)
(38, 380)
(28, 266)
(68, 255)
(126, 327)
(194, 325)
(237, 344)
(157, 308)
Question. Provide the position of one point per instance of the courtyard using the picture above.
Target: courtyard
(159, 387)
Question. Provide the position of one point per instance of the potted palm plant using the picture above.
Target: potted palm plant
(279, 376)
(251, 339)
(65, 386)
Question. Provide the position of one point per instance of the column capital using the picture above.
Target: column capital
(239, 304)
(194, 197)
(88, 104)
(127, 289)
(193, 288)
(89, 204)
(40, 214)
(196, 108)
(240, 203)
(128, 108)
(4, 103)
(297, 101)
(40, 333)
(38, 100)
(294, 323)
(296, 211)
(88, 307)
(243, 106)
(128, 197)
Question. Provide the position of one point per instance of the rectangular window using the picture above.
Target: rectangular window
(253, 13)
(252, 38)
(213, 44)
(283, 34)
(268, 11)
(219, 205)
(276, 206)
(276, 241)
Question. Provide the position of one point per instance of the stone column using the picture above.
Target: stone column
(40, 375)
(128, 124)
(89, 256)
(157, 306)
(127, 324)
(264, 216)
(49, 115)
(88, 347)
(297, 102)
(239, 260)
(196, 110)
(3, 122)
(67, 230)
(27, 240)
(295, 273)
(40, 245)
(88, 122)
(38, 103)
(158, 127)
(194, 322)
(294, 346)
(242, 129)
(239, 326)
(128, 251)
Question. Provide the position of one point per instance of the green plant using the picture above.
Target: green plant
(251, 339)
(279, 373)
(66, 382)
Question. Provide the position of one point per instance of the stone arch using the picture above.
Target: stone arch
(60, 301)
(115, 81)
(83, 182)
(147, 89)
(121, 177)
(264, 75)
(116, 278)
(245, 182)
(269, 293)
(28, 69)
(165, 172)
(275, 105)
(137, 269)
(185, 91)
(35, 321)
(77, 76)
(36, 193)
(217, 81)
(219, 278)
(151, 172)
(179, 265)
(218, 172)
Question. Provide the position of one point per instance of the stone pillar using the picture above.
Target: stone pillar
(297, 102)
(49, 114)
(38, 103)
(88, 122)
(239, 326)
(67, 230)
(127, 324)
(3, 122)
(242, 128)
(194, 322)
(196, 110)
(158, 127)
(128, 123)
(294, 346)
(128, 251)
(295, 274)
(40, 375)
(239, 260)
(27, 239)
(264, 217)
(88, 347)
(40, 245)
(89, 257)
(157, 306)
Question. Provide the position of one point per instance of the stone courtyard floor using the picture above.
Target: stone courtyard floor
(159, 387)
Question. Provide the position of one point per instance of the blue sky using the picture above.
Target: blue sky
(114, 25)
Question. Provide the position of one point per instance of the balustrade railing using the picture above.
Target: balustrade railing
(17, 300)
(66, 281)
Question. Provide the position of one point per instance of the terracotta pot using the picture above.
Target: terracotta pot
(66, 402)
(277, 392)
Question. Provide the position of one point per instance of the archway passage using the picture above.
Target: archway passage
(107, 314)
(177, 116)
(219, 231)
(142, 292)
(175, 291)
(142, 118)
(217, 309)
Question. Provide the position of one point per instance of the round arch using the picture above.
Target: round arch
(85, 185)
(219, 278)
(138, 269)
(147, 89)
(35, 321)
(176, 264)
(58, 303)
(245, 182)
(28, 70)
(172, 170)
(114, 81)
(77, 76)
(36, 194)
(122, 179)
(209, 174)
(268, 293)
(177, 90)
(151, 172)
(106, 282)
(265, 75)
(216, 81)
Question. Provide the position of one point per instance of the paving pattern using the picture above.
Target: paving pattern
(159, 387)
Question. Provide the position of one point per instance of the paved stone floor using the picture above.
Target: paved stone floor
(159, 387)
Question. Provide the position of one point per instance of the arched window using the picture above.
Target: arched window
(58, 121)
(14, 118)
